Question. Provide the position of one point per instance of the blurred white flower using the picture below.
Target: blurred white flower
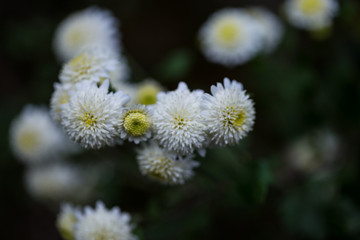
(60, 96)
(230, 37)
(120, 73)
(163, 166)
(135, 123)
(94, 64)
(270, 27)
(313, 151)
(35, 137)
(229, 113)
(311, 14)
(128, 88)
(178, 123)
(147, 92)
(92, 114)
(58, 182)
(104, 224)
(66, 220)
(89, 27)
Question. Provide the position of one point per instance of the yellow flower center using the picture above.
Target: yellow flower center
(136, 123)
(146, 94)
(161, 166)
(76, 37)
(66, 226)
(81, 64)
(233, 117)
(89, 119)
(179, 122)
(28, 140)
(228, 32)
(311, 6)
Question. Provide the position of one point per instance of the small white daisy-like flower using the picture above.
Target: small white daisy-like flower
(311, 14)
(92, 26)
(60, 96)
(104, 224)
(230, 37)
(34, 136)
(66, 220)
(178, 122)
(135, 123)
(147, 92)
(229, 113)
(92, 114)
(163, 166)
(58, 182)
(93, 64)
(270, 27)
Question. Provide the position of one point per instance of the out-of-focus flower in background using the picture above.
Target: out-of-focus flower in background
(311, 14)
(89, 27)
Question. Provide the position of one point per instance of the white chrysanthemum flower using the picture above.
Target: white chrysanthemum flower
(104, 224)
(58, 182)
(178, 122)
(311, 14)
(92, 114)
(60, 96)
(147, 92)
(163, 166)
(270, 27)
(66, 220)
(229, 113)
(93, 64)
(34, 136)
(135, 123)
(92, 26)
(230, 37)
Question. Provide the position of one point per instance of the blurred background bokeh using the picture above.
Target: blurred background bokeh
(296, 176)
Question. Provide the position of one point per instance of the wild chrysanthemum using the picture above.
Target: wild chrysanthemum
(135, 123)
(92, 114)
(66, 220)
(147, 92)
(34, 136)
(104, 224)
(230, 37)
(60, 96)
(163, 166)
(178, 123)
(93, 64)
(57, 182)
(270, 28)
(311, 14)
(89, 27)
(229, 113)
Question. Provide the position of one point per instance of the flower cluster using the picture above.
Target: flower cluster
(233, 36)
(99, 223)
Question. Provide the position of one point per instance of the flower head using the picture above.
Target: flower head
(178, 123)
(60, 96)
(91, 116)
(270, 28)
(35, 137)
(58, 182)
(103, 224)
(230, 37)
(311, 14)
(163, 166)
(93, 64)
(229, 113)
(89, 27)
(135, 123)
(66, 220)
